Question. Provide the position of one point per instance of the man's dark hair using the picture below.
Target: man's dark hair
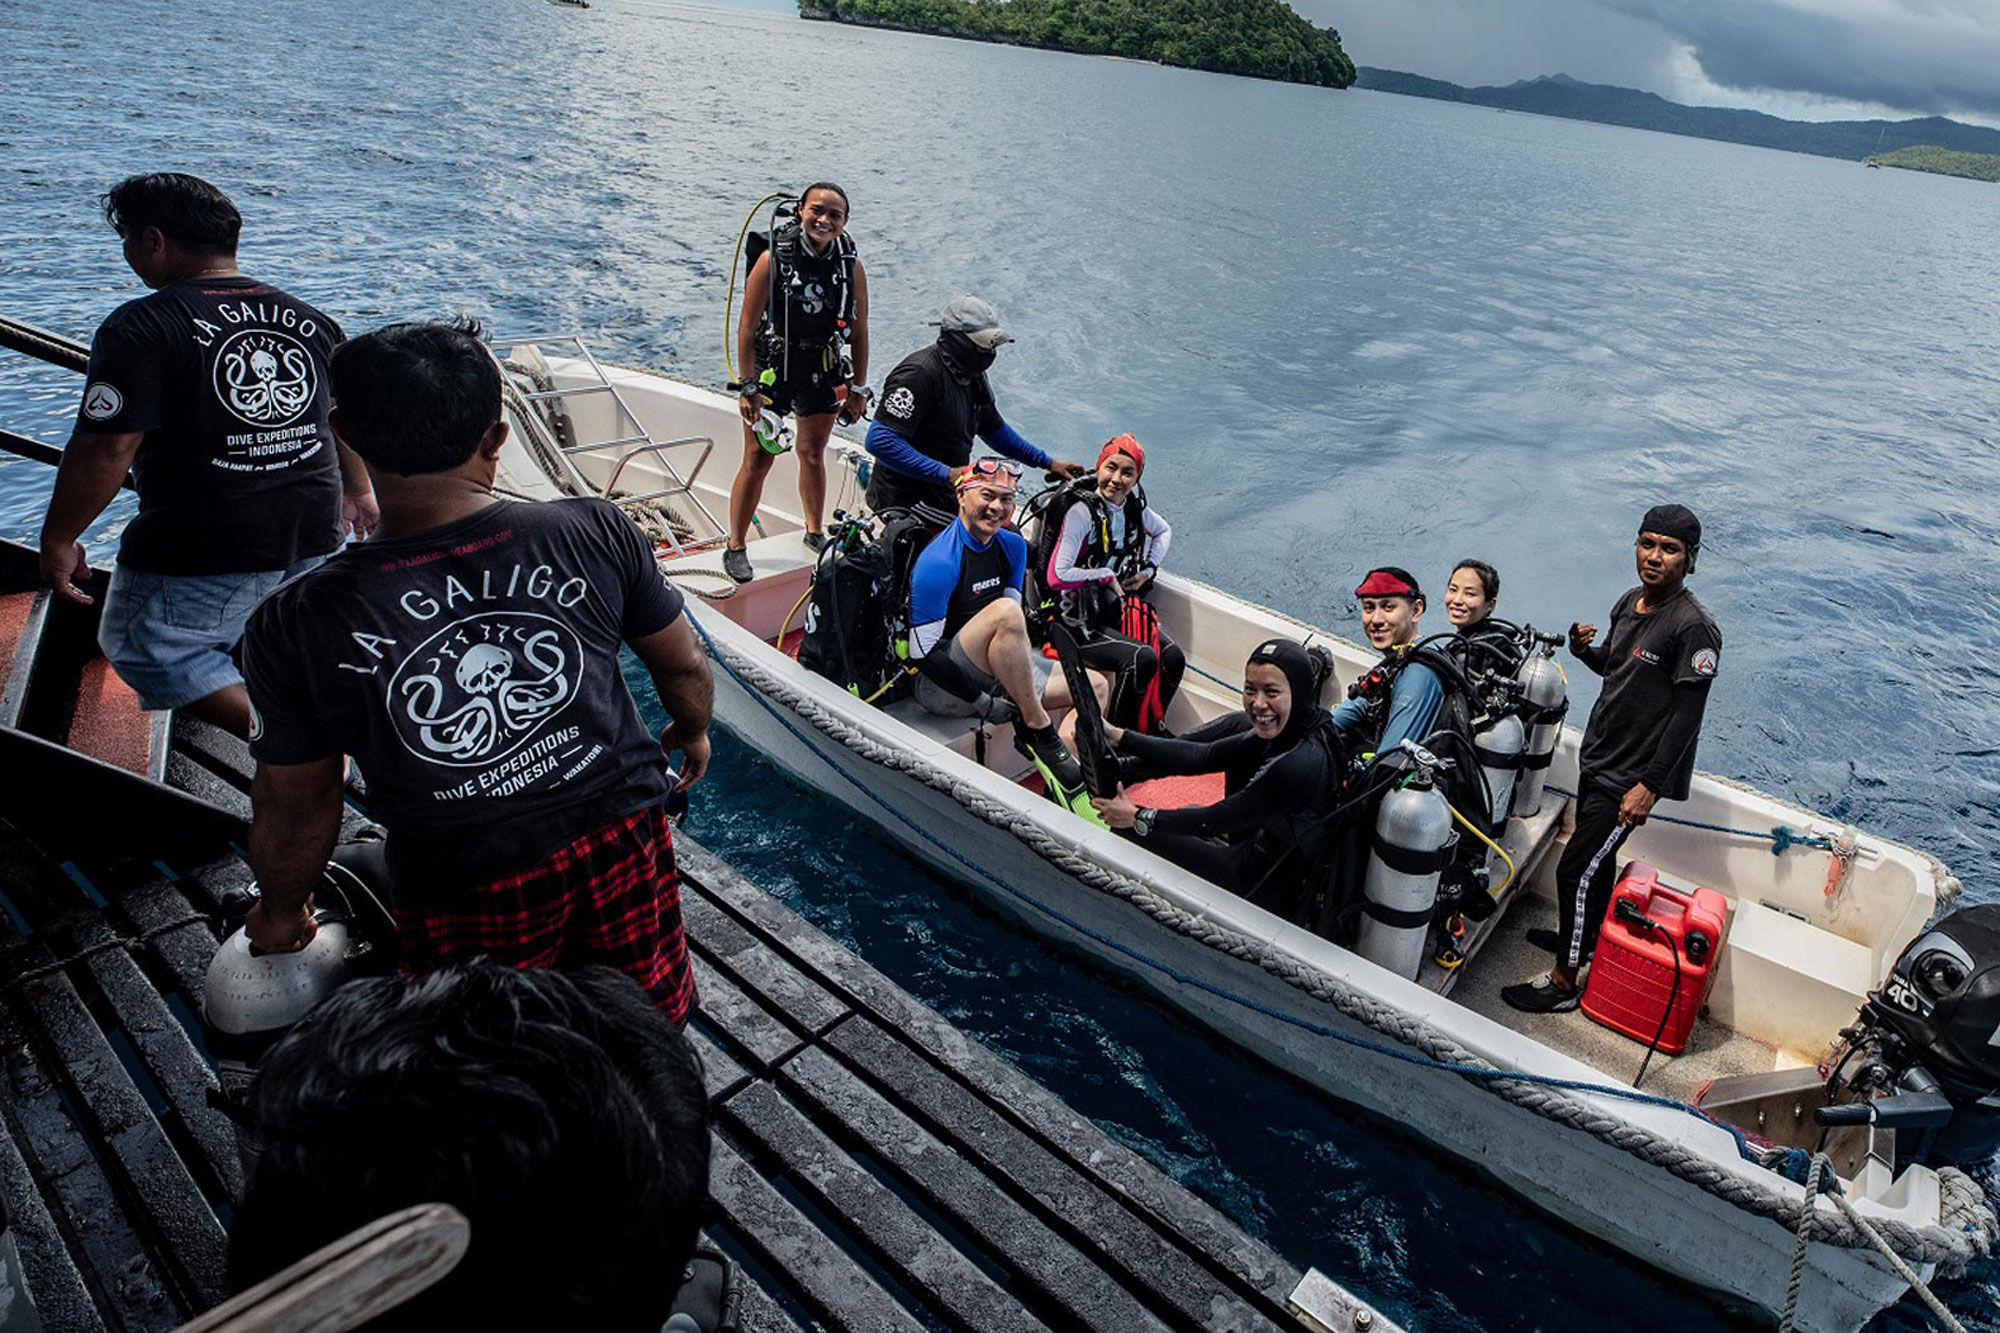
(1489, 577)
(416, 397)
(188, 211)
(806, 193)
(560, 1112)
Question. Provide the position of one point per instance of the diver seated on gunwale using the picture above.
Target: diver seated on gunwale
(1281, 778)
(969, 634)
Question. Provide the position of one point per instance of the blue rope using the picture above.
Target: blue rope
(1781, 838)
(1743, 1146)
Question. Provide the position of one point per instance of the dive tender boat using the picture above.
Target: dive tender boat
(1700, 1174)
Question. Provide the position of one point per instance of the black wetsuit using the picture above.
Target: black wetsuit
(1276, 796)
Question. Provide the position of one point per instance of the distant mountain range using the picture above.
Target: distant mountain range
(1560, 95)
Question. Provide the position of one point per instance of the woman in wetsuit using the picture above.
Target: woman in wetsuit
(805, 319)
(1280, 780)
(1095, 564)
(1480, 643)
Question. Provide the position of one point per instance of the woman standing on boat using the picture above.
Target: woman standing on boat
(1097, 552)
(1280, 778)
(801, 348)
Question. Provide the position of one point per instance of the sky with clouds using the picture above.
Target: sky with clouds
(1808, 59)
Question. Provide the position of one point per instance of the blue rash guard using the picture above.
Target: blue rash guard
(1414, 700)
(954, 579)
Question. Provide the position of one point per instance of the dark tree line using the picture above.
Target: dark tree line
(1265, 39)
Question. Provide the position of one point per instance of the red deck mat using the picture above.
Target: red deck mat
(14, 608)
(1177, 793)
(109, 724)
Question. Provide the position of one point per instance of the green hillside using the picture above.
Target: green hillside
(1264, 39)
(1943, 161)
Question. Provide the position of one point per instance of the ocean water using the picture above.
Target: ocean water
(1351, 328)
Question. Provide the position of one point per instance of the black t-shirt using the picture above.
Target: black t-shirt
(1642, 660)
(226, 378)
(473, 672)
(934, 409)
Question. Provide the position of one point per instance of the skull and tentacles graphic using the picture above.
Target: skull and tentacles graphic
(492, 696)
(265, 378)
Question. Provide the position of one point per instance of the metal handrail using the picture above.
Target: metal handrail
(655, 448)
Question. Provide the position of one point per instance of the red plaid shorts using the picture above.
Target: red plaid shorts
(612, 896)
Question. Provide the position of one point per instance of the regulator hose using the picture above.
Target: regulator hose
(729, 295)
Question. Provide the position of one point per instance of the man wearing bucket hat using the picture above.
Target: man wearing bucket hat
(1658, 662)
(934, 403)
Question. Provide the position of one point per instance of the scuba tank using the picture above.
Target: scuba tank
(1499, 746)
(1544, 700)
(251, 999)
(1413, 840)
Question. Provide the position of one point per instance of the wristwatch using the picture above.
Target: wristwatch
(862, 391)
(1142, 821)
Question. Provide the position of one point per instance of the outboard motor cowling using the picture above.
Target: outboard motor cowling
(1544, 701)
(1924, 1058)
(1413, 841)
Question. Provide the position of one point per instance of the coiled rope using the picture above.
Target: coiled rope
(1965, 1232)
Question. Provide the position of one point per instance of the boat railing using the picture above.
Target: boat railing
(635, 443)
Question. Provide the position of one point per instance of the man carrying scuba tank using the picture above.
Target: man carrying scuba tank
(934, 403)
(1098, 547)
(801, 348)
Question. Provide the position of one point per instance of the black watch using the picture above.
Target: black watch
(1142, 821)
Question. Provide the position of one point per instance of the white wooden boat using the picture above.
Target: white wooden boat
(1670, 1187)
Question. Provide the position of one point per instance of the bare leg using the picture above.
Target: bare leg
(1055, 698)
(747, 491)
(814, 432)
(228, 708)
(996, 641)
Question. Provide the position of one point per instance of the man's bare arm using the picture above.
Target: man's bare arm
(294, 820)
(674, 659)
(93, 467)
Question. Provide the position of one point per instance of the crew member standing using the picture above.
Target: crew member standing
(212, 393)
(467, 657)
(1657, 662)
(933, 404)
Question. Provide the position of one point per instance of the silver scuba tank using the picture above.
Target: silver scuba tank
(1542, 691)
(251, 999)
(1499, 745)
(1412, 840)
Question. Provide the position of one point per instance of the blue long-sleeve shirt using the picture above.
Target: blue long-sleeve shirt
(893, 450)
(1414, 701)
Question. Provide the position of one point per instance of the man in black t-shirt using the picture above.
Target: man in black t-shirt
(933, 404)
(467, 657)
(1658, 662)
(212, 393)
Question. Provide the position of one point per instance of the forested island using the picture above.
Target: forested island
(1264, 39)
(1943, 161)
(1572, 99)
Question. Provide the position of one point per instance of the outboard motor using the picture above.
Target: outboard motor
(1499, 746)
(1413, 841)
(1924, 1057)
(252, 999)
(1544, 702)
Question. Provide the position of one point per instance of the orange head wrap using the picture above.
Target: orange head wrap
(1127, 446)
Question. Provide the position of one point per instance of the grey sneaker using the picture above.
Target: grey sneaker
(815, 541)
(736, 563)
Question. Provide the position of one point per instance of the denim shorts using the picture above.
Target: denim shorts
(169, 636)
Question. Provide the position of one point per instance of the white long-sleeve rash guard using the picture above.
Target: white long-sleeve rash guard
(1063, 570)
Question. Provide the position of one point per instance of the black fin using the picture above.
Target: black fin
(1093, 753)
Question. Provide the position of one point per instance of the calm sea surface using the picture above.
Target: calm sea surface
(1352, 329)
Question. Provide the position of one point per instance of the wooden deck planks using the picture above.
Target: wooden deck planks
(875, 1168)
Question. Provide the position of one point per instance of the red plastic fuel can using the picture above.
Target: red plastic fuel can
(1632, 973)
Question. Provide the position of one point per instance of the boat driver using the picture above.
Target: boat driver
(1408, 696)
(1658, 662)
(969, 634)
(933, 404)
